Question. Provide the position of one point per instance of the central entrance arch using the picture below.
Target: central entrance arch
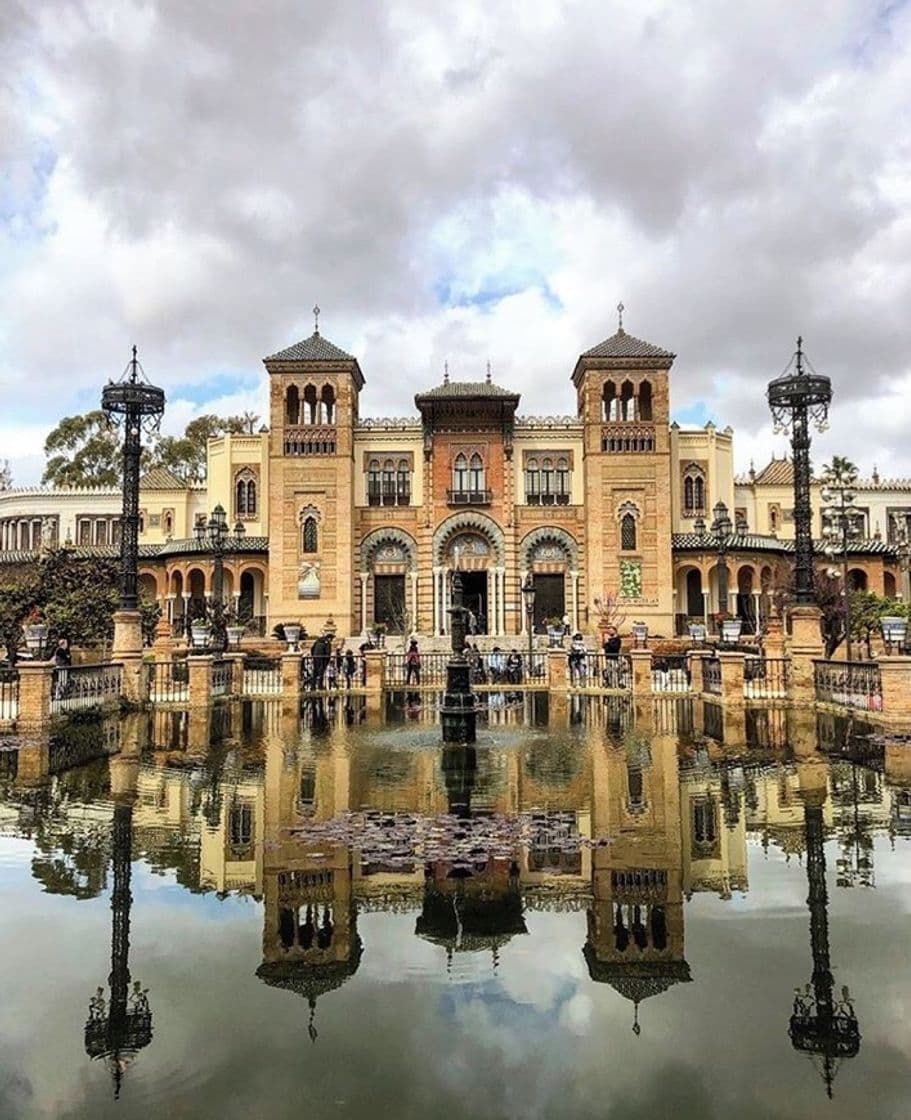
(473, 543)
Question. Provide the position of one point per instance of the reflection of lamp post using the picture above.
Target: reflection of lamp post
(117, 1029)
(821, 1024)
(141, 406)
(528, 598)
(841, 526)
(795, 398)
(220, 542)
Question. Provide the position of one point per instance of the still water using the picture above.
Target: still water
(260, 912)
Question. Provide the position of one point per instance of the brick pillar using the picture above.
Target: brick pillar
(236, 680)
(696, 658)
(200, 673)
(895, 673)
(897, 759)
(35, 684)
(291, 673)
(731, 676)
(773, 642)
(806, 647)
(127, 649)
(557, 670)
(34, 763)
(642, 671)
(376, 670)
(163, 645)
(199, 728)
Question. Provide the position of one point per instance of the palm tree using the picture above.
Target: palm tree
(840, 472)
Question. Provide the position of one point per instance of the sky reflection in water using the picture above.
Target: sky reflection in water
(477, 951)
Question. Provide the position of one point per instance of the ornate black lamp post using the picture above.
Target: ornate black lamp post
(458, 714)
(140, 406)
(821, 1024)
(220, 542)
(797, 397)
(118, 1028)
(528, 598)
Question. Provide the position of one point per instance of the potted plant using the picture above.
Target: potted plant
(729, 628)
(35, 629)
(555, 633)
(292, 634)
(697, 632)
(234, 629)
(639, 630)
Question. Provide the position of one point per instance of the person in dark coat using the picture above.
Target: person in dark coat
(320, 652)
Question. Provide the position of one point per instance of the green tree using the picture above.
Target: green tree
(83, 451)
(185, 456)
(867, 612)
(17, 597)
(839, 472)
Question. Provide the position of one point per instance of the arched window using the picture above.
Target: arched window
(609, 401)
(476, 474)
(628, 532)
(547, 482)
(310, 410)
(240, 498)
(403, 482)
(309, 535)
(292, 405)
(460, 474)
(693, 492)
(532, 482)
(374, 492)
(627, 401)
(563, 482)
(645, 401)
(388, 482)
(169, 523)
(327, 405)
(251, 497)
(773, 519)
(705, 825)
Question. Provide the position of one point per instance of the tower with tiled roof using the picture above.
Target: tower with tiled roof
(623, 401)
(313, 403)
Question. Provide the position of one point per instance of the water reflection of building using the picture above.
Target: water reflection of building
(713, 825)
(635, 922)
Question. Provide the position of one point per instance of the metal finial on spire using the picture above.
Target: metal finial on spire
(316, 318)
(620, 310)
(446, 372)
(134, 364)
(488, 371)
(800, 353)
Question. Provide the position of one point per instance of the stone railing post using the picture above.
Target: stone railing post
(236, 679)
(806, 647)
(199, 670)
(163, 645)
(557, 670)
(35, 686)
(291, 673)
(641, 660)
(127, 651)
(697, 680)
(732, 676)
(773, 642)
(895, 675)
(375, 660)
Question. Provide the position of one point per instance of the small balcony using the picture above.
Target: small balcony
(469, 497)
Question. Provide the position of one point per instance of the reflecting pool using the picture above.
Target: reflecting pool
(266, 910)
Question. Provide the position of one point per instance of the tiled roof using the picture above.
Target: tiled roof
(749, 542)
(312, 349)
(468, 390)
(160, 478)
(102, 551)
(779, 472)
(191, 544)
(623, 345)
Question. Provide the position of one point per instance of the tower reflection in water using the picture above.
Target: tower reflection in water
(258, 814)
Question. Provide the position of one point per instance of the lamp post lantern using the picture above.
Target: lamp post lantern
(139, 406)
(798, 397)
(528, 599)
(220, 540)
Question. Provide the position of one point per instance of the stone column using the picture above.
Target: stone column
(364, 576)
(199, 670)
(642, 671)
(557, 670)
(291, 673)
(696, 679)
(436, 602)
(447, 601)
(185, 595)
(574, 577)
(757, 604)
(127, 649)
(806, 647)
(523, 576)
(895, 673)
(414, 600)
(705, 608)
(35, 689)
(732, 676)
(492, 600)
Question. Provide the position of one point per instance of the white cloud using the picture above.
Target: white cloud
(195, 184)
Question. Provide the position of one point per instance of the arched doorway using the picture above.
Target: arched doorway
(694, 600)
(746, 601)
(889, 586)
(550, 556)
(475, 544)
(857, 579)
(196, 586)
(389, 581)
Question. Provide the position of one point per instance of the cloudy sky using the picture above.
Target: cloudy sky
(457, 182)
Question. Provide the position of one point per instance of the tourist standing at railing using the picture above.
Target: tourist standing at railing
(514, 667)
(63, 659)
(611, 649)
(350, 667)
(577, 653)
(413, 663)
(320, 653)
(612, 642)
(497, 664)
